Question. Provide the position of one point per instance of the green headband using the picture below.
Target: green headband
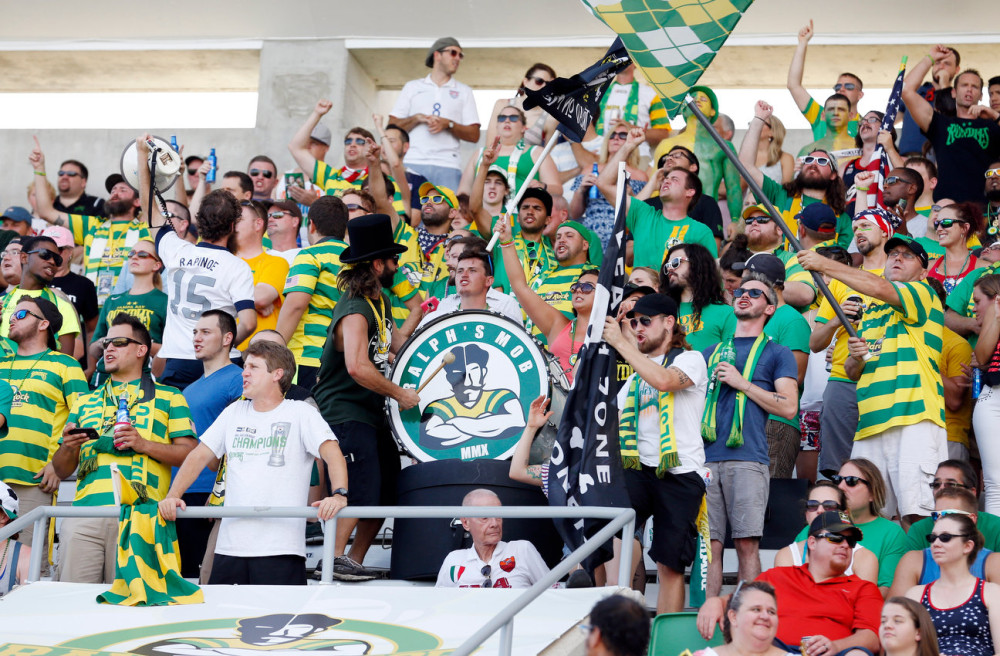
(594, 252)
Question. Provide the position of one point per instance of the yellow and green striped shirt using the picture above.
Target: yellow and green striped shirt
(489, 402)
(901, 384)
(158, 412)
(407, 280)
(332, 182)
(106, 243)
(314, 272)
(44, 386)
(553, 287)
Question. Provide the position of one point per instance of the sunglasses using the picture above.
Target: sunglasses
(812, 505)
(118, 342)
(585, 287)
(674, 263)
(454, 53)
(937, 485)
(757, 219)
(740, 292)
(618, 135)
(871, 120)
(47, 255)
(513, 118)
(75, 174)
(21, 315)
(353, 207)
(645, 321)
(946, 223)
(850, 86)
(142, 255)
(837, 538)
(192, 171)
(944, 537)
(893, 179)
(990, 173)
(938, 514)
(540, 81)
(267, 174)
(276, 215)
(436, 198)
(357, 141)
(852, 481)
(822, 161)
(485, 571)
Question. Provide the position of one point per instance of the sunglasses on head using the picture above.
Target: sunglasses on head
(852, 481)
(357, 141)
(944, 537)
(747, 291)
(811, 159)
(673, 263)
(21, 315)
(436, 198)
(267, 174)
(850, 86)
(142, 255)
(813, 505)
(454, 52)
(513, 118)
(618, 135)
(837, 538)
(938, 514)
(74, 174)
(47, 255)
(645, 321)
(119, 342)
(585, 287)
(946, 223)
(936, 208)
(757, 219)
(990, 173)
(485, 571)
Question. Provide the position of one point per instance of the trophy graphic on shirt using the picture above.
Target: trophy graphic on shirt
(279, 438)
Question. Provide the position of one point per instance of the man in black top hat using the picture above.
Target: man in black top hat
(351, 385)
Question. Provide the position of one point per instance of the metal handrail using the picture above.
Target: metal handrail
(620, 519)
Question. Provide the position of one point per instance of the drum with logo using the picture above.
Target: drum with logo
(482, 371)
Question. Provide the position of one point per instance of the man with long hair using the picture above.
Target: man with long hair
(690, 276)
(351, 385)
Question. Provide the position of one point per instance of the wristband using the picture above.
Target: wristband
(861, 188)
(506, 244)
(41, 173)
(930, 56)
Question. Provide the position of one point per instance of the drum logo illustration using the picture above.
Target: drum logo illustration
(479, 372)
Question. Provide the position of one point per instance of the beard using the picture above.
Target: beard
(385, 278)
(117, 207)
(750, 313)
(434, 220)
(813, 182)
(867, 247)
(652, 343)
(675, 288)
(993, 195)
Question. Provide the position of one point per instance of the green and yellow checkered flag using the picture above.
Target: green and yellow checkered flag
(148, 571)
(671, 41)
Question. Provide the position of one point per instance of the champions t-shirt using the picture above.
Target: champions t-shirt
(901, 383)
(314, 272)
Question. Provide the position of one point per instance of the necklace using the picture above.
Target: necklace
(380, 327)
(27, 372)
(944, 262)
(3, 558)
(113, 403)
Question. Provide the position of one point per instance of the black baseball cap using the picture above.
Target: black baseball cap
(654, 304)
(834, 521)
(632, 288)
(911, 244)
(539, 193)
(770, 266)
(112, 180)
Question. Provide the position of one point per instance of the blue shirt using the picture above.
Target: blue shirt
(775, 362)
(208, 397)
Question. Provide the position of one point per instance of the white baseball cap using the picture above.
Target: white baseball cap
(8, 500)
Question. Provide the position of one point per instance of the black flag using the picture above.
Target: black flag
(575, 102)
(586, 467)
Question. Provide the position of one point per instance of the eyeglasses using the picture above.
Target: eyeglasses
(946, 223)
(850, 86)
(740, 292)
(645, 321)
(357, 141)
(353, 207)
(945, 537)
(893, 179)
(757, 219)
(903, 254)
(513, 118)
(586, 628)
(678, 153)
(585, 287)
(938, 514)
(540, 81)
(118, 342)
(142, 255)
(20, 315)
(990, 173)
(810, 159)
(485, 571)
(871, 120)
(436, 198)
(837, 538)
(453, 52)
(618, 135)
(812, 505)
(9, 254)
(276, 215)
(937, 485)
(75, 174)
(192, 171)
(47, 255)
(674, 263)
(852, 481)
(267, 174)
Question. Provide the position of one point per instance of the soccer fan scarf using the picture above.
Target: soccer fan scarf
(710, 417)
(630, 423)
(148, 568)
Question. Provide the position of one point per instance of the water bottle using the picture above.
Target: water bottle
(210, 176)
(594, 192)
(122, 418)
(173, 143)
(977, 382)
(727, 354)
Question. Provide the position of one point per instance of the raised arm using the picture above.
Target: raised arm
(748, 149)
(918, 107)
(520, 470)
(607, 181)
(481, 217)
(548, 319)
(796, 68)
(396, 167)
(299, 145)
(43, 198)
(376, 183)
(859, 280)
(663, 379)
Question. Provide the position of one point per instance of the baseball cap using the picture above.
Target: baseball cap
(652, 305)
(112, 180)
(500, 172)
(755, 208)
(15, 213)
(911, 244)
(540, 194)
(631, 288)
(440, 44)
(765, 264)
(322, 134)
(8, 500)
(834, 521)
(818, 217)
(60, 235)
(448, 194)
(51, 314)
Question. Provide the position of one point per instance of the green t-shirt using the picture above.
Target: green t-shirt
(150, 308)
(988, 524)
(885, 539)
(339, 397)
(790, 206)
(790, 329)
(653, 234)
(716, 323)
(960, 298)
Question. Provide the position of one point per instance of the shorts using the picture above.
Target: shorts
(737, 497)
(285, 569)
(673, 502)
(809, 426)
(908, 458)
(372, 463)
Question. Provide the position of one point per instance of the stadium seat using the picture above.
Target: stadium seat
(672, 633)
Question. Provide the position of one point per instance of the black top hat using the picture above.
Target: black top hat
(371, 239)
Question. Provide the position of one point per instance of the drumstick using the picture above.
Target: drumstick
(448, 358)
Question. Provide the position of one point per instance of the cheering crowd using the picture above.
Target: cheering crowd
(248, 325)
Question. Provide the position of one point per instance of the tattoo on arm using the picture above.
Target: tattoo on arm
(535, 472)
(681, 376)
(778, 398)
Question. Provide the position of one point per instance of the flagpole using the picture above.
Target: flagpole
(512, 204)
(775, 215)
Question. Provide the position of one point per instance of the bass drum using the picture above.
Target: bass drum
(480, 372)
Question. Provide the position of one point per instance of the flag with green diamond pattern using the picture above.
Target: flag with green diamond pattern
(671, 41)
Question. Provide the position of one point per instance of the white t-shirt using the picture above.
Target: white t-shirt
(201, 277)
(689, 405)
(453, 101)
(515, 564)
(496, 301)
(288, 255)
(269, 459)
(614, 108)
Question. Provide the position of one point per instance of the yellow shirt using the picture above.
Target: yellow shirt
(270, 270)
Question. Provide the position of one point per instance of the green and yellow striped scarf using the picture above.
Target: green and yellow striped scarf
(629, 431)
(710, 416)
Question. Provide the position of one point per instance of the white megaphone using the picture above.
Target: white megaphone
(168, 164)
